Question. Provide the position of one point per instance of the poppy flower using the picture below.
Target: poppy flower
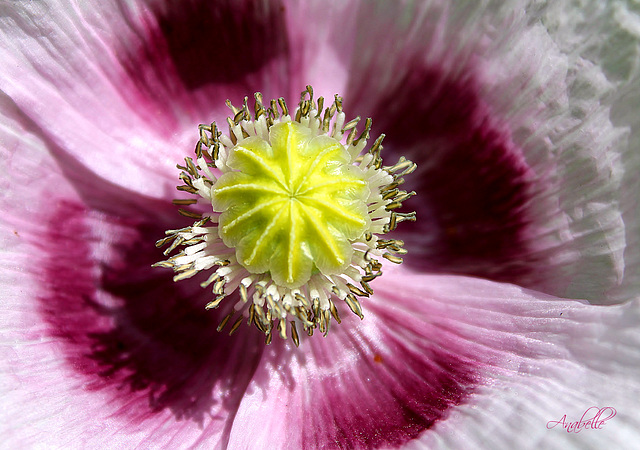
(516, 306)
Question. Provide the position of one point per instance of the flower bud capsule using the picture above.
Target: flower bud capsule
(291, 205)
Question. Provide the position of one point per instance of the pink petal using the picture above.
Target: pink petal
(112, 84)
(111, 344)
(520, 169)
(441, 352)
(323, 36)
(97, 346)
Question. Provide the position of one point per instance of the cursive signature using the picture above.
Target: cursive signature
(592, 419)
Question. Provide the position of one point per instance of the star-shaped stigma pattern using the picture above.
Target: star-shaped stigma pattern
(292, 204)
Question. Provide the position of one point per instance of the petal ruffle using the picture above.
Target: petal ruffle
(548, 358)
(606, 36)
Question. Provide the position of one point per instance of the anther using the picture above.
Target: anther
(215, 303)
(294, 334)
(235, 325)
(224, 321)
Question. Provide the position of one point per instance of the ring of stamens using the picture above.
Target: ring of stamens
(270, 296)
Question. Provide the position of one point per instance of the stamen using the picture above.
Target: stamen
(296, 206)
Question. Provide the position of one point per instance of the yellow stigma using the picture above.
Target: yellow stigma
(292, 204)
(289, 212)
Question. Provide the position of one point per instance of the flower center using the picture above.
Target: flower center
(291, 205)
(295, 209)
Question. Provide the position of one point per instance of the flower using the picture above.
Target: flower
(521, 118)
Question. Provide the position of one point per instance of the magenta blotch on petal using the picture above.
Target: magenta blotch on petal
(518, 144)
(388, 398)
(222, 42)
(473, 181)
(129, 330)
(199, 53)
